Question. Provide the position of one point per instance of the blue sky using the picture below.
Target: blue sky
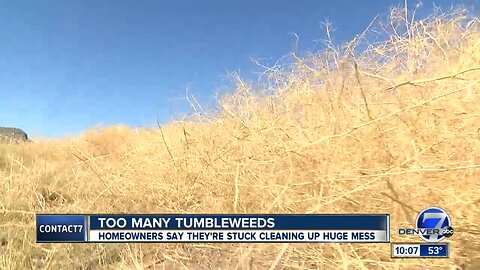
(70, 65)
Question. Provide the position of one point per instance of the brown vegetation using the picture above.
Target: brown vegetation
(392, 128)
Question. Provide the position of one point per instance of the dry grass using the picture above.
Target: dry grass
(392, 128)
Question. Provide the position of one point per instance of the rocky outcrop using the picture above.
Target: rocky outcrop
(8, 134)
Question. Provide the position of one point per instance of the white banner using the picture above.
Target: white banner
(237, 236)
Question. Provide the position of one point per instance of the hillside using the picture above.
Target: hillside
(390, 128)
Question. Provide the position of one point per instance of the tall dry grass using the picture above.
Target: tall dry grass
(393, 127)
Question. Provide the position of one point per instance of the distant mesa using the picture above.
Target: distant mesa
(8, 134)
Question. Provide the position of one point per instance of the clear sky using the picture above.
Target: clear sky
(69, 65)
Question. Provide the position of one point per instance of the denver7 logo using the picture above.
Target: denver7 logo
(437, 221)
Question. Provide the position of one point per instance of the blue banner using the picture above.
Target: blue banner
(434, 250)
(61, 228)
(213, 228)
(239, 222)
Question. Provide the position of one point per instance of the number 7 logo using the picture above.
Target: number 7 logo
(433, 218)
